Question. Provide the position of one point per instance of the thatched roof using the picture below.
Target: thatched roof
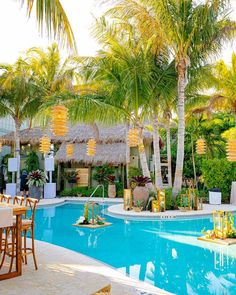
(77, 133)
(113, 153)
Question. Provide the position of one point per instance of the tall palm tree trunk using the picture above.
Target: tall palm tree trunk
(193, 160)
(182, 74)
(143, 162)
(127, 155)
(168, 147)
(157, 154)
(17, 152)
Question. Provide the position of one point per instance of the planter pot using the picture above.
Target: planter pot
(141, 193)
(35, 192)
(111, 190)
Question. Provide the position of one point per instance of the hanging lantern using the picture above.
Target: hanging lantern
(133, 137)
(231, 150)
(201, 146)
(59, 120)
(141, 148)
(91, 147)
(69, 150)
(44, 145)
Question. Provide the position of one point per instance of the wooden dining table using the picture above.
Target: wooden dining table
(18, 211)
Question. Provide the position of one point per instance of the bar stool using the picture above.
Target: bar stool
(5, 198)
(28, 226)
(18, 200)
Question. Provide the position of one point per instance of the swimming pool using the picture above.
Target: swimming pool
(163, 253)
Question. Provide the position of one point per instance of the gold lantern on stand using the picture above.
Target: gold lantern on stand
(44, 145)
(231, 150)
(91, 147)
(220, 219)
(201, 146)
(128, 201)
(59, 120)
(133, 137)
(162, 200)
(69, 149)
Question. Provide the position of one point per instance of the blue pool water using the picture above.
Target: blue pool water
(163, 253)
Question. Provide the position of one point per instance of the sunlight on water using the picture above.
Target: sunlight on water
(166, 254)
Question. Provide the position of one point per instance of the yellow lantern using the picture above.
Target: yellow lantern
(141, 148)
(0, 146)
(231, 150)
(133, 137)
(155, 206)
(201, 146)
(220, 219)
(162, 200)
(45, 143)
(69, 150)
(59, 120)
(91, 147)
(128, 202)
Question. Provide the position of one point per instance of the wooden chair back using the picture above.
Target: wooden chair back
(5, 198)
(18, 200)
(32, 204)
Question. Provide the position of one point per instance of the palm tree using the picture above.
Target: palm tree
(124, 70)
(160, 106)
(51, 16)
(192, 31)
(20, 98)
(222, 79)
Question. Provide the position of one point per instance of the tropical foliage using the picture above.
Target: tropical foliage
(152, 73)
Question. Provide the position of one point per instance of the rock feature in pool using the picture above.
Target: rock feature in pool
(92, 218)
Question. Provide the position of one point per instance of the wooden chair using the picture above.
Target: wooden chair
(18, 200)
(5, 198)
(28, 226)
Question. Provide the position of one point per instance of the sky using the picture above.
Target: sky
(18, 33)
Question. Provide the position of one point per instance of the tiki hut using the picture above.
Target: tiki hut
(78, 133)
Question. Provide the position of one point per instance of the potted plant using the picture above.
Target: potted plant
(138, 206)
(111, 186)
(36, 180)
(140, 191)
(71, 176)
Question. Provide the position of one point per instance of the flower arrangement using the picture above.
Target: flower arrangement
(140, 180)
(37, 178)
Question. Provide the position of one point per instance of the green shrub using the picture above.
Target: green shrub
(134, 171)
(32, 162)
(119, 189)
(102, 172)
(86, 192)
(219, 173)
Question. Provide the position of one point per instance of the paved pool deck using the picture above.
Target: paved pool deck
(65, 272)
